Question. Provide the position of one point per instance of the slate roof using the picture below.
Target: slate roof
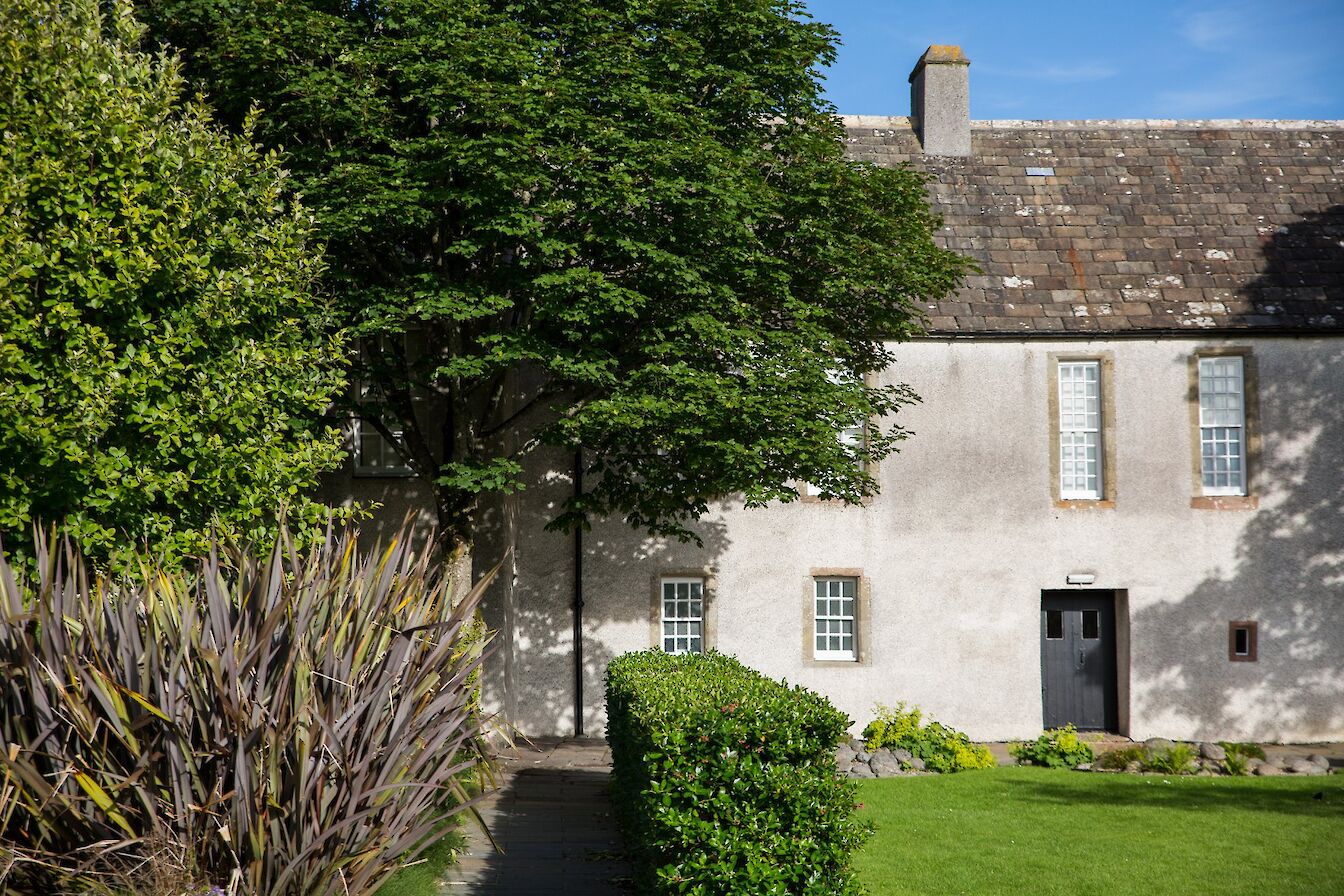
(1135, 226)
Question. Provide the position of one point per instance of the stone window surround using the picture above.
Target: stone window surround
(708, 611)
(366, 396)
(1106, 370)
(1250, 385)
(1253, 641)
(869, 379)
(364, 470)
(863, 614)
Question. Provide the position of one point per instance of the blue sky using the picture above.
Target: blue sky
(1135, 59)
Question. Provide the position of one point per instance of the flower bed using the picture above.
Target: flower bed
(1158, 755)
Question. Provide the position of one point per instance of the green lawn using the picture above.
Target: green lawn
(422, 878)
(1034, 832)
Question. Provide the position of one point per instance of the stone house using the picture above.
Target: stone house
(1123, 505)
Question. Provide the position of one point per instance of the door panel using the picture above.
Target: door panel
(1078, 675)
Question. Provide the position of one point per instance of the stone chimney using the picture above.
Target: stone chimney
(940, 101)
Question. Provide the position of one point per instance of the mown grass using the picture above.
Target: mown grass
(1035, 832)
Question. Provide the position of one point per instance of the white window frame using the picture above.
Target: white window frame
(1222, 409)
(694, 633)
(830, 625)
(852, 438)
(1080, 427)
(363, 435)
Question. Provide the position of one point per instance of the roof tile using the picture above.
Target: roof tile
(1157, 225)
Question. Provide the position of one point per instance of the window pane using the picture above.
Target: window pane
(1079, 429)
(833, 620)
(1222, 425)
(1054, 625)
(1091, 624)
(683, 615)
(1243, 641)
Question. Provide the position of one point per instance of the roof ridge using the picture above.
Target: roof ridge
(1174, 124)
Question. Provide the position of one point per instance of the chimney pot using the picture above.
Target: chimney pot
(940, 101)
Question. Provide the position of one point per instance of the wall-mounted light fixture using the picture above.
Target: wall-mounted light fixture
(1080, 578)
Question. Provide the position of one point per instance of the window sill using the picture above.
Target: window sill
(1085, 503)
(383, 474)
(812, 662)
(1225, 502)
(804, 498)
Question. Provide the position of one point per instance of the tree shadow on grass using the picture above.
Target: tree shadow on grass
(1283, 796)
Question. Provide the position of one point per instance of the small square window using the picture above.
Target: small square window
(683, 620)
(374, 454)
(834, 619)
(1242, 641)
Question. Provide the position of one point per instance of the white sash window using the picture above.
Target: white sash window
(683, 615)
(1222, 425)
(1080, 468)
(833, 637)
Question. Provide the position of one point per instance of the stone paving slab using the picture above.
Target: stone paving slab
(552, 817)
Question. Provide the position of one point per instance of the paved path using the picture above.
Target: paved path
(552, 817)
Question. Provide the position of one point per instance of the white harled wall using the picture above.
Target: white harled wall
(964, 537)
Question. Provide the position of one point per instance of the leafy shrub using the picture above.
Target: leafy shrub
(166, 351)
(943, 749)
(1236, 764)
(1120, 759)
(1056, 748)
(1178, 759)
(289, 724)
(1247, 751)
(724, 781)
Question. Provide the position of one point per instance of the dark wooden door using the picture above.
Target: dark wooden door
(1078, 678)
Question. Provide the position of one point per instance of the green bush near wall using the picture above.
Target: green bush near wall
(724, 780)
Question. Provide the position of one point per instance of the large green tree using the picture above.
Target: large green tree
(162, 351)
(642, 205)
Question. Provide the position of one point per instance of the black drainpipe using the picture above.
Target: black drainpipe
(578, 602)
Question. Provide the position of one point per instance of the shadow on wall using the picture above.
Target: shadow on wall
(532, 680)
(1288, 575)
(390, 500)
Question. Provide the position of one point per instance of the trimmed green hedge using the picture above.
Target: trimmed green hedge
(725, 782)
